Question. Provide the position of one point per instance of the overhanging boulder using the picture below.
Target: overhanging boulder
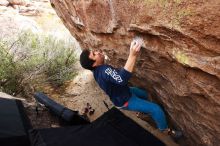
(180, 63)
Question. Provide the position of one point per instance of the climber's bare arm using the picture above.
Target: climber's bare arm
(134, 51)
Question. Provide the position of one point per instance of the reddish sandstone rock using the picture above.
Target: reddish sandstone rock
(180, 63)
(18, 2)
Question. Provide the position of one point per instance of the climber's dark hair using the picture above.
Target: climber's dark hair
(85, 61)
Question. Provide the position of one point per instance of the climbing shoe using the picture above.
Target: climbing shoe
(175, 134)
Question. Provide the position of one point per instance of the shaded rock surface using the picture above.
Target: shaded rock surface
(180, 63)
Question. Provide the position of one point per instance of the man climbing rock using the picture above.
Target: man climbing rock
(115, 84)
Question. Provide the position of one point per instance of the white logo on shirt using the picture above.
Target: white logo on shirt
(113, 74)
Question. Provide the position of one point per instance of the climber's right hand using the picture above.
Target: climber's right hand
(135, 46)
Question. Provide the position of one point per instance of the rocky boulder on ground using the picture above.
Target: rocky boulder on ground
(19, 2)
(4, 3)
(180, 62)
(13, 26)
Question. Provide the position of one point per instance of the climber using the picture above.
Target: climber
(115, 84)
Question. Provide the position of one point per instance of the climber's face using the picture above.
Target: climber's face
(97, 56)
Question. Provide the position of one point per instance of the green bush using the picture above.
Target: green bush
(10, 74)
(35, 59)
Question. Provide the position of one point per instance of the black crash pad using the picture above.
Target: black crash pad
(14, 124)
(112, 129)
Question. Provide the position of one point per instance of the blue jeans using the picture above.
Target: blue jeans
(138, 102)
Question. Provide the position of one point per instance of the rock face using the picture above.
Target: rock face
(18, 2)
(180, 63)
